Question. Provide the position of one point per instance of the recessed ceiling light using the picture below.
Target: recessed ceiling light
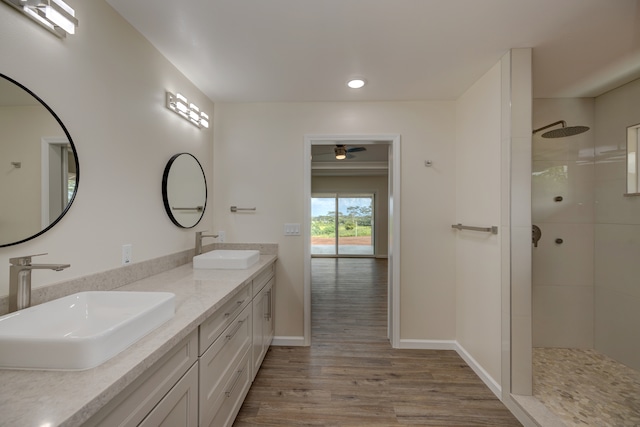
(356, 83)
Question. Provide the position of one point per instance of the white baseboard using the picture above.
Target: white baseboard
(493, 385)
(288, 341)
(429, 344)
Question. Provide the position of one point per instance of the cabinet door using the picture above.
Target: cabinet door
(263, 325)
(179, 407)
(132, 405)
(269, 324)
(257, 348)
(234, 393)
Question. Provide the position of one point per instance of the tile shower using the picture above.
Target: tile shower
(586, 269)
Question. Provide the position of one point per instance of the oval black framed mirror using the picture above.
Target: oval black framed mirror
(39, 164)
(184, 190)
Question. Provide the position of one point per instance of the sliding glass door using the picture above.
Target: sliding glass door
(342, 224)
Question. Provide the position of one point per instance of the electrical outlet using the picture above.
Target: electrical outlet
(127, 254)
(221, 236)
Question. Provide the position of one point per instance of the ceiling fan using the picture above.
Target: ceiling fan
(343, 152)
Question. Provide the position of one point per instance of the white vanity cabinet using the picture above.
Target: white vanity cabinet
(204, 379)
(225, 372)
(164, 395)
(211, 328)
(180, 406)
(263, 325)
(231, 358)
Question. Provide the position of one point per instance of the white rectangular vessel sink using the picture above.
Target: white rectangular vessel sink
(82, 330)
(226, 259)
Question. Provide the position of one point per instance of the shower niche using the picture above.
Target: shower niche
(633, 145)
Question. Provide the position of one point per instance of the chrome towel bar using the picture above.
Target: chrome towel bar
(493, 229)
(197, 208)
(237, 209)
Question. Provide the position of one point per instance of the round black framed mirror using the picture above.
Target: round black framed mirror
(39, 164)
(184, 190)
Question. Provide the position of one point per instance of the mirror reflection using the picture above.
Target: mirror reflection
(39, 165)
(184, 190)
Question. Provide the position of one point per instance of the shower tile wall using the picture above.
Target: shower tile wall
(617, 230)
(562, 273)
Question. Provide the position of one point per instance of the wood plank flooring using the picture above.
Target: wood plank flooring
(350, 376)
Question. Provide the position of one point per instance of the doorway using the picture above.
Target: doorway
(391, 164)
(58, 178)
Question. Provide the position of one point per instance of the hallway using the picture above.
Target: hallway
(350, 376)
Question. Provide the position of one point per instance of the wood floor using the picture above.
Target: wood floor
(350, 376)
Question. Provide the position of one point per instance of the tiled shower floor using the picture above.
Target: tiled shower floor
(585, 388)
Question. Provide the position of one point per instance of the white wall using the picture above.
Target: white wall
(259, 162)
(478, 202)
(377, 185)
(562, 275)
(107, 85)
(617, 230)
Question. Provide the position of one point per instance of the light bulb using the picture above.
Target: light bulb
(356, 83)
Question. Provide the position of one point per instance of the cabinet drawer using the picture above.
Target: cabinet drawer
(218, 365)
(235, 392)
(211, 328)
(131, 406)
(263, 278)
(180, 406)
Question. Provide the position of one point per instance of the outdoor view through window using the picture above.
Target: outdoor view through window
(342, 224)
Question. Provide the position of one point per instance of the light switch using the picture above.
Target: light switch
(292, 229)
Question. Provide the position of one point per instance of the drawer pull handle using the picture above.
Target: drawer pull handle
(235, 382)
(235, 331)
(267, 315)
(239, 303)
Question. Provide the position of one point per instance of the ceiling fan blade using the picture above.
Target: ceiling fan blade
(355, 149)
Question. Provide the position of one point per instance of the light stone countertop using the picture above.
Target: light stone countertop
(69, 398)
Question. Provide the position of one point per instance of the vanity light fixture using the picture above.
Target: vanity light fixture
(55, 15)
(179, 104)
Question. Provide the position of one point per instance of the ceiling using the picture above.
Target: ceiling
(306, 50)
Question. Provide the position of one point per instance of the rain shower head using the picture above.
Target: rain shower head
(563, 131)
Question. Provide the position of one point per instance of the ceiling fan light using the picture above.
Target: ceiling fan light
(341, 153)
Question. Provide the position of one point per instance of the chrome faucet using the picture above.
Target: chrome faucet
(20, 280)
(199, 236)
